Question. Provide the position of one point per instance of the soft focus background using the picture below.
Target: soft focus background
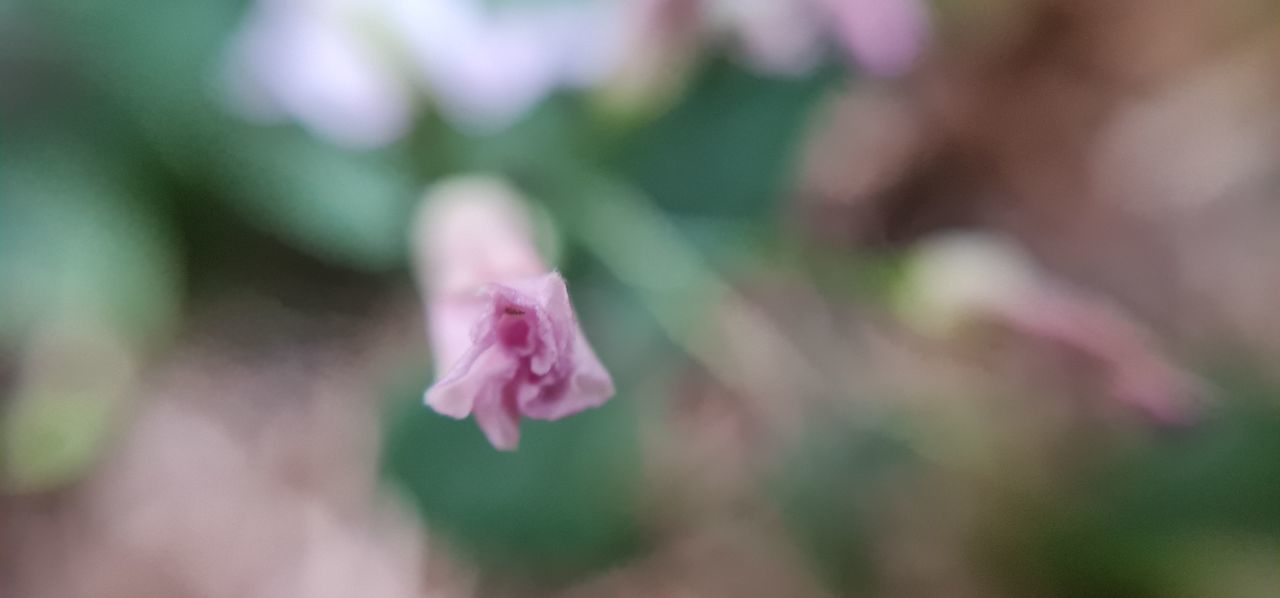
(956, 298)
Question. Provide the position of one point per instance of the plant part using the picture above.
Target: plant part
(503, 331)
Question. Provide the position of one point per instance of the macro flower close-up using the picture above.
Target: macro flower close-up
(623, 298)
(506, 341)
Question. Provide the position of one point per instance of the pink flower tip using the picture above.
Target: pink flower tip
(527, 358)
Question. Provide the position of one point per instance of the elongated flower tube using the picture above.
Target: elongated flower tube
(503, 332)
(962, 279)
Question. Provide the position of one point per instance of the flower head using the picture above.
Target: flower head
(503, 329)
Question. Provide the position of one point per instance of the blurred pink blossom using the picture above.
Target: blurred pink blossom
(884, 36)
(781, 37)
(786, 37)
(486, 66)
(503, 329)
(352, 70)
(1137, 373)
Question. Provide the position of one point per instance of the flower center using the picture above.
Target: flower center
(515, 331)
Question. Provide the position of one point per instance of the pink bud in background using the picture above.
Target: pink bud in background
(506, 341)
(1139, 375)
(884, 36)
(960, 278)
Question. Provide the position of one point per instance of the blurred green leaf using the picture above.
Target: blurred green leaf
(1126, 533)
(79, 239)
(830, 488)
(729, 147)
(564, 503)
(159, 62)
(49, 440)
(346, 208)
(543, 143)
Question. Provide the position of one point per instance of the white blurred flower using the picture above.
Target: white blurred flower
(782, 37)
(657, 49)
(350, 70)
(788, 37)
(884, 36)
(311, 60)
(347, 68)
(487, 67)
(956, 276)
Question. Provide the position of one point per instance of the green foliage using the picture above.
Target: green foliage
(831, 489)
(562, 505)
(80, 241)
(1136, 522)
(549, 141)
(350, 210)
(49, 440)
(727, 149)
(153, 71)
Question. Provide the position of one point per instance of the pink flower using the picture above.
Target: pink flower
(884, 36)
(527, 357)
(962, 278)
(503, 329)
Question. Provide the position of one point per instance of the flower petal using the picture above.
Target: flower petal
(482, 370)
(498, 418)
(590, 380)
(589, 384)
(555, 325)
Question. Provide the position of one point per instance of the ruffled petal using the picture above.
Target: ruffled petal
(498, 418)
(482, 369)
(591, 384)
(580, 382)
(452, 330)
(547, 373)
(555, 324)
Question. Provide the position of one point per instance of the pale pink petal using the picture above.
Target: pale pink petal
(452, 323)
(498, 419)
(483, 367)
(1141, 375)
(473, 231)
(556, 321)
(884, 36)
(531, 319)
(507, 342)
(591, 384)
(781, 37)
